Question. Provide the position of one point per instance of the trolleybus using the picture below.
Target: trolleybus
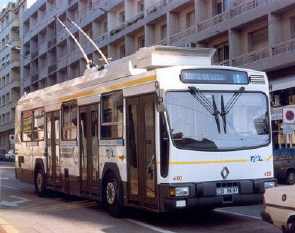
(162, 129)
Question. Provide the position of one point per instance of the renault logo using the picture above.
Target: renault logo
(224, 173)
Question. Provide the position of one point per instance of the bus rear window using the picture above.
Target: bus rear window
(27, 122)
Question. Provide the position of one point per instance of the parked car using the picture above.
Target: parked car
(279, 207)
(284, 165)
(2, 155)
(10, 155)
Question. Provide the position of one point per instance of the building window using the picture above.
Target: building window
(257, 39)
(222, 52)
(140, 42)
(140, 6)
(163, 32)
(69, 121)
(190, 19)
(122, 51)
(292, 27)
(122, 17)
(112, 115)
(219, 6)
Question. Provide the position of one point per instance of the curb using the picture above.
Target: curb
(5, 227)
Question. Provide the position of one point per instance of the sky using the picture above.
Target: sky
(3, 3)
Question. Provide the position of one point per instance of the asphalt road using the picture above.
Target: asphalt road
(21, 211)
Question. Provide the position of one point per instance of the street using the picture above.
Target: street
(23, 211)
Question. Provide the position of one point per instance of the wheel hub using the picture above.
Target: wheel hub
(110, 193)
(39, 181)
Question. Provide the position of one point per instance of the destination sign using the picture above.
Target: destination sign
(214, 76)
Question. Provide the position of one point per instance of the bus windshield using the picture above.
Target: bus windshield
(213, 121)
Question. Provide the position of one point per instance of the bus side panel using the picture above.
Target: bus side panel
(70, 167)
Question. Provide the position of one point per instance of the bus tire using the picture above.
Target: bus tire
(291, 177)
(113, 196)
(290, 226)
(40, 182)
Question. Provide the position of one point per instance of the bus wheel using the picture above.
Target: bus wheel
(40, 182)
(291, 178)
(291, 226)
(113, 196)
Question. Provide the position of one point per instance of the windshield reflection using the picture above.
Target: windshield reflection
(193, 127)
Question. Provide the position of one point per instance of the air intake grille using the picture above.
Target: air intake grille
(257, 79)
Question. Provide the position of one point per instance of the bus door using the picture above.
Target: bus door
(53, 145)
(141, 158)
(89, 148)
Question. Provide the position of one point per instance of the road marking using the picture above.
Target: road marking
(19, 200)
(148, 226)
(4, 178)
(6, 168)
(239, 214)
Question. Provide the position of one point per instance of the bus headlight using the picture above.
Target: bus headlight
(269, 184)
(179, 191)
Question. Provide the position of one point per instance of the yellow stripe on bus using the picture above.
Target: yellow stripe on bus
(208, 162)
(113, 87)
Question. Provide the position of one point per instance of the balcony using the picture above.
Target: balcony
(203, 25)
(118, 29)
(284, 47)
(246, 6)
(162, 42)
(52, 68)
(182, 34)
(62, 61)
(134, 19)
(242, 8)
(34, 54)
(42, 48)
(51, 43)
(100, 39)
(34, 77)
(251, 57)
(156, 7)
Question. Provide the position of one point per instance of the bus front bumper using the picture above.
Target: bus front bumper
(204, 195)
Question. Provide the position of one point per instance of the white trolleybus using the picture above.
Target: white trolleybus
(162, 129)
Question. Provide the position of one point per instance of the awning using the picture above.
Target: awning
(282, 83)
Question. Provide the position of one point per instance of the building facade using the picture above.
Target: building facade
(9, 70)
(258, 34)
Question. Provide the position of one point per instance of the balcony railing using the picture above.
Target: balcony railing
(52, 68)
(101, 38)
(213, 21)
(51, 43)
(284, 47)
(245, 6)
(162, 42)
(179, 35)
(118, 29)
(35, 77)
(136, 18)
(156, 7)
(251, 57)
(34, 54)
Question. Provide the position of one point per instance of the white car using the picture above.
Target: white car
(279, 207)
(10, 155)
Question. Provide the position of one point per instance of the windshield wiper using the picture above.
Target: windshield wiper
(203, 100)
(229, 105)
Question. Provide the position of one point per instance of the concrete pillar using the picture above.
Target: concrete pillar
(129, 45)
(275, 30)
(148, 35)
(234, 41)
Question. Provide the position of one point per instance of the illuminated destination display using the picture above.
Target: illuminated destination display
(214, 76)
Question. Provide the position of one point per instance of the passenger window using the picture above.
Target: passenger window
(69, 121)
(33, 125)
(112, 115)
(38, 125)
(27, 122)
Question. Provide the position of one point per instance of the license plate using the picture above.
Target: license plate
(227, 190)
